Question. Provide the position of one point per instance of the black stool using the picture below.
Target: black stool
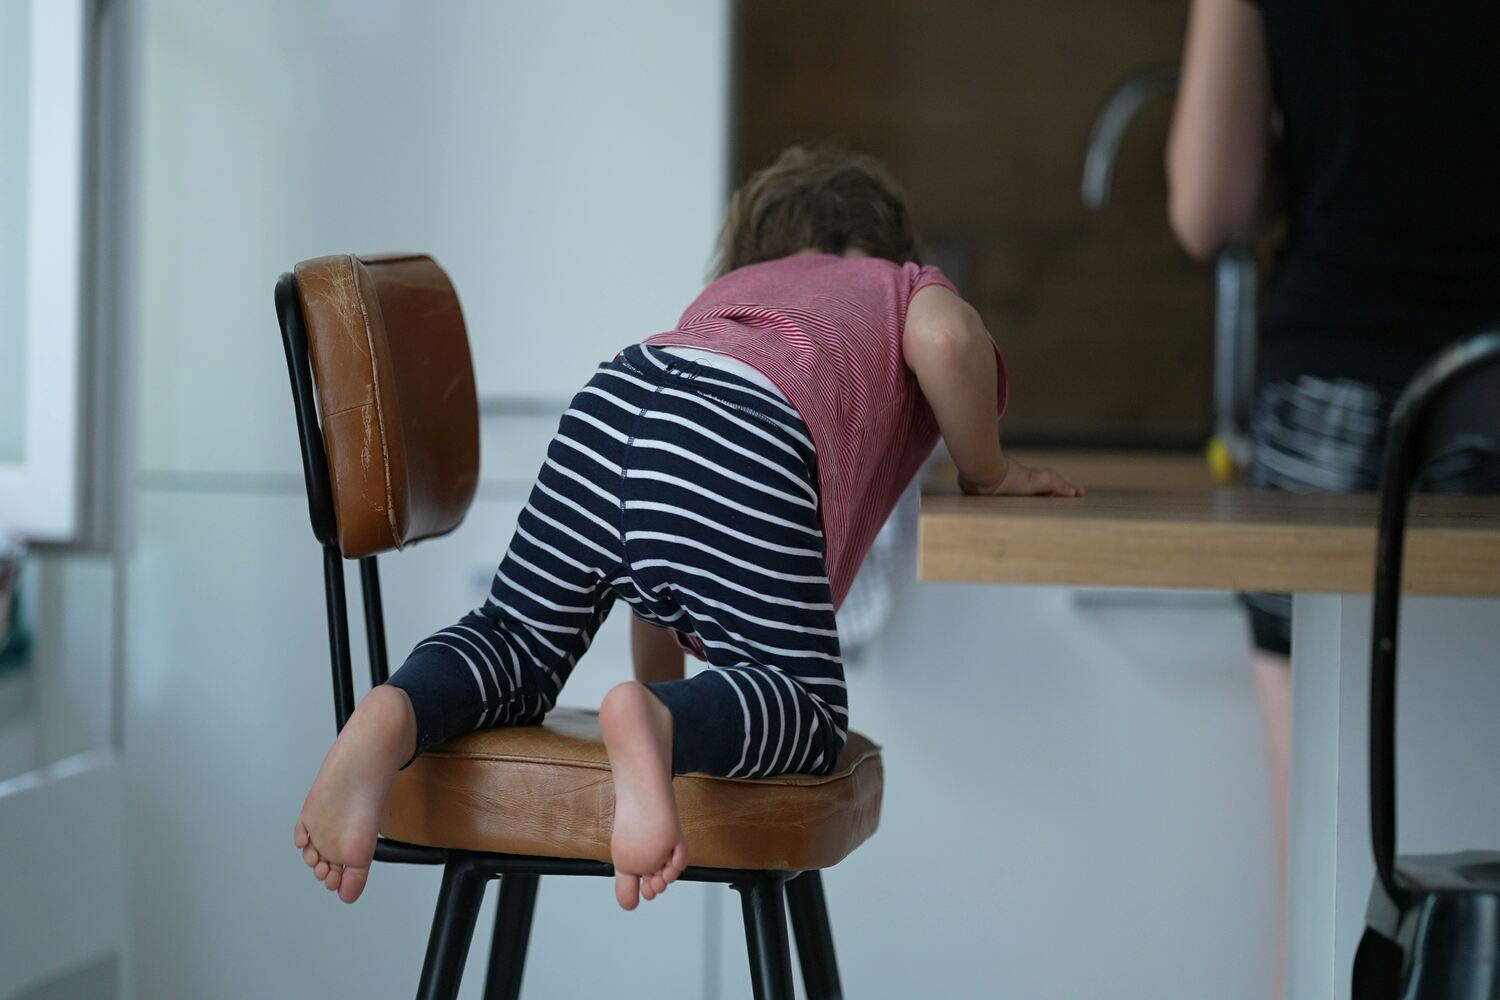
(1433, 924)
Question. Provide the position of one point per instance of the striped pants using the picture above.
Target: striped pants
(691, 494)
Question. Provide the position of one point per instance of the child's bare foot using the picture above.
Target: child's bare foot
(341, 816)
(647, 845)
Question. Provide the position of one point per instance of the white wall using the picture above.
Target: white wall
(565, 162)
(1075, 800)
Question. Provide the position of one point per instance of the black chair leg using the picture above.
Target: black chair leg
(764, 905)
(452, 927)
(1377, 968)
(809, 909)
(512, 932)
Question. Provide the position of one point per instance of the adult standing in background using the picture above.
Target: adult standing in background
(1376, 123)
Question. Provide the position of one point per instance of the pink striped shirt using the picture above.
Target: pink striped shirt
(826, 330)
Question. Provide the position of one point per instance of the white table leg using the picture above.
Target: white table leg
(1329, 867)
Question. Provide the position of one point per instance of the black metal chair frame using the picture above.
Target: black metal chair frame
(1407, 446)
(765, 896)
(1413, 426)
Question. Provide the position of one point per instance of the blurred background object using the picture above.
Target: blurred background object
(983, 111)
(1235, 276)
(13, 638)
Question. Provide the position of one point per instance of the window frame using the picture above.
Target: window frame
(40, 494)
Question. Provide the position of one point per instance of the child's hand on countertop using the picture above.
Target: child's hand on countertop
(1020, 480)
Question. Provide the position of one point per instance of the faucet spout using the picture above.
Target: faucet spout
(1236, 272)
(1110, 125)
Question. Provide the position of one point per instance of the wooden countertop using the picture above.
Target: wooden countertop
(1218, 539)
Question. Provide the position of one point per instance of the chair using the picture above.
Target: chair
(1433, 923)
(383, 388)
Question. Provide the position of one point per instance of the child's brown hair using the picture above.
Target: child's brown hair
(824, 199)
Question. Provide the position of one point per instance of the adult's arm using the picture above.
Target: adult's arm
(1218, 147)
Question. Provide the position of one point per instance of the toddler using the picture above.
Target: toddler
(724, 479)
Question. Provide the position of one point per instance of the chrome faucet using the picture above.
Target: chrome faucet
(1236, 273)
(1110, 124)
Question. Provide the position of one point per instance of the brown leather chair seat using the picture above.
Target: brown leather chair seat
(546, 790)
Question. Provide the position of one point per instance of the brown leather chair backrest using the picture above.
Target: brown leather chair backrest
(395, 387)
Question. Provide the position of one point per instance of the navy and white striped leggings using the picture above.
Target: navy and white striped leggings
(691, 494)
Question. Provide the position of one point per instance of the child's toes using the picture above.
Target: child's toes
(647, 892)
(658, 884)
(678, 862)
(627, 891)
(310, 855)
(321, 870)
(353, 883)
(300, 836)
(334, 876)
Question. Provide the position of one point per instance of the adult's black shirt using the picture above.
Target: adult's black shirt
(1391, 176)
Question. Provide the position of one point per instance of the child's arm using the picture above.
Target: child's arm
(655, 653)
(946, 346)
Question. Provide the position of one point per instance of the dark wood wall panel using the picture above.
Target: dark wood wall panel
(982, 108)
